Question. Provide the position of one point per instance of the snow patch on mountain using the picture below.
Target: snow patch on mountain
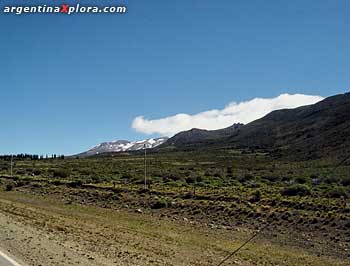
(124, 146)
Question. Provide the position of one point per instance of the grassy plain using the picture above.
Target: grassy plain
(198, 206)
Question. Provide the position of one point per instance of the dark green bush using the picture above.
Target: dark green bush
(271, 178)
(20, 172)
(37, 172)
(296, 190)
(75, 184)
(141, 181)
(256, 197)
(190, 180)
(207, 173)
(63, 173)
(127, 176)
(286, 179)
(246, 178)
(22, 183)
(345, 181)
(8, 187)
(173, 177)
(56, 182)
(330, 180)
(301, 180)
(217, 175)
(338, 192)
(159, 204)
(188, 195)
(84, 171)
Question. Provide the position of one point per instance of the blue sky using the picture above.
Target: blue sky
(70, 82)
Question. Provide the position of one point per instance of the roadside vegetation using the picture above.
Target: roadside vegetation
(306, 201)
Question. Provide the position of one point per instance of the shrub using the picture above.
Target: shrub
(15, 178)
(160, 203)
(56, 182)
(37, 172)
(127, 176)
(286, 179)
(217, 175)
(143, 190)
(301, 180)
(141, 181)
(117, 190)
(199, 179)
(36, 185)
(84, 171)
(94, 179)
(296, 190)
(338, 193)
(8, 187)
(171, 177)
(22, 183)
(61, 173)
(256, 196)
(271, 178)
(245, 178)
(207, 173)
(188, 195)
(190, 180)
(20, 172)
(345, 181)
(330, 180)
(75, 184)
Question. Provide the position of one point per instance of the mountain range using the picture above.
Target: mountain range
(318, 130)
(313, 131)
(123, 146)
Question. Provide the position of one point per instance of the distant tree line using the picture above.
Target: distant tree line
(34, 157)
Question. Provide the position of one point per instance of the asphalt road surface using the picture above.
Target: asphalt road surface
(5, 260)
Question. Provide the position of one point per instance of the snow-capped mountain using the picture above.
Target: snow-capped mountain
(124, 145)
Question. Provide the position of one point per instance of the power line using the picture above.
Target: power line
(265, 226)
(343, 161)
(241, 246)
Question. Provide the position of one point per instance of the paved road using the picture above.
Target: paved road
(5, 260)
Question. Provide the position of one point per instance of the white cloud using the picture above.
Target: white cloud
(243, 112)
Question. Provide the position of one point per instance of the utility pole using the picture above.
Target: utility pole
(145, 161)
(11, 165)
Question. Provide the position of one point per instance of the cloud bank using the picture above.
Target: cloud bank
(242, 112)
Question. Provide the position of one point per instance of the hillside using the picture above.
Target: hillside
(196, 135)
(318, 130)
